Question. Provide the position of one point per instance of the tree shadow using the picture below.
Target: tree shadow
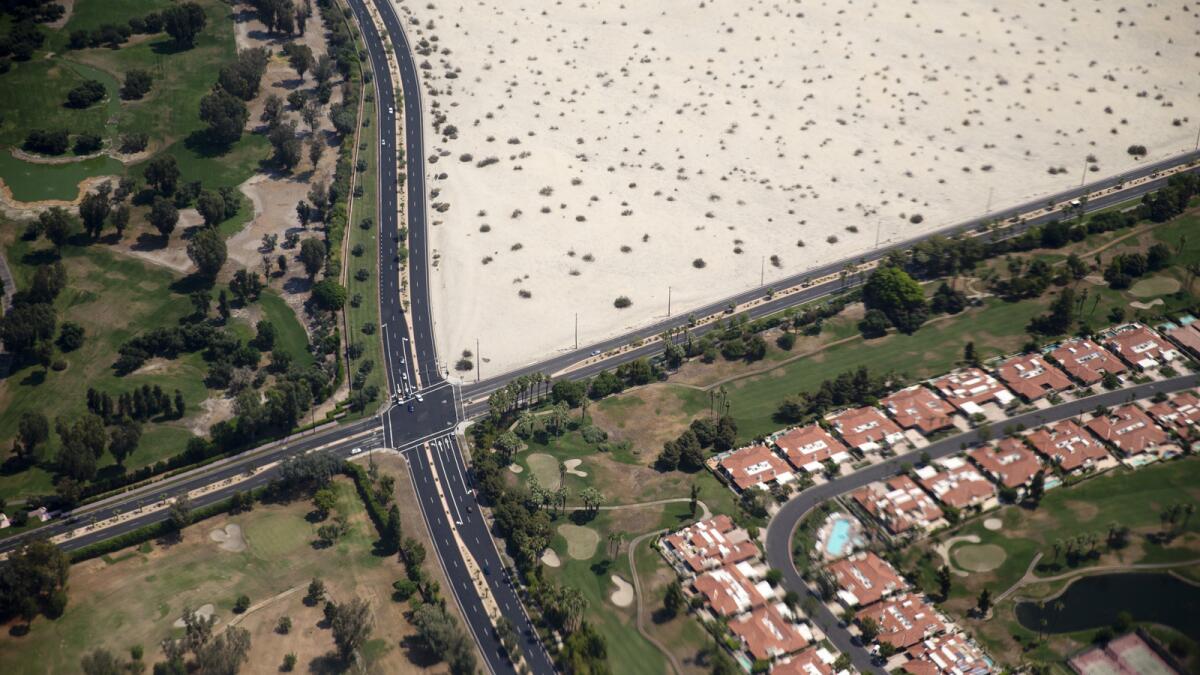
(601, 567)
(582, 517)
(203, 144)
(418, 652)
(41, 256)
(661, 616)
(327, 664)
(34, 378)
(168, 47)
(149, 242)
(190, 284)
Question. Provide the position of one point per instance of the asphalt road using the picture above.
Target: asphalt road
(430, 412)
(783, 524)
(479, 390)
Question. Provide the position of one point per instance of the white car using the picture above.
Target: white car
(356, 451)
(390, 111)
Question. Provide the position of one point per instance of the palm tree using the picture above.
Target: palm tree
(572, 605)
(583, 406)
(591, 498)
(562, 475)
(560, 416)
(560, 498)
(527, 424)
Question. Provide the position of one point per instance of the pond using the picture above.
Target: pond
(1095, 601)
(31, 182)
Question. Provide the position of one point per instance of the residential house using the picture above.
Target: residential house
(917, 407)
(1140, 347)
(1068, 445)
(1032, 376)
(729, 592)
(950, 654)
(1087, 361)
(755, 466)
(1180, 413)
(867, 429)
(710, 544)
(807, 448)
(969, 389)
(903, 620)
(1009, 462)
(812, 661)
(767, 634)
(864, 579)
(1187, 337)
(954, 482)
(1128, 429)
(899, 504)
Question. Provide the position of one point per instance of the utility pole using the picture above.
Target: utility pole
(668, 302)
(878, 229)
(478, 361)
(1083, 177)
(762, 271)
(576, 330)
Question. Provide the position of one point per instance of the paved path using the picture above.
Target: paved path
(637, 597)
(617, 507)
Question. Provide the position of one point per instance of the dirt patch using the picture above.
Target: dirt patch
(657, 418)
(623, 595)
(1084, 511)
(202, 612)
(213, 409)
(148, 245)
(230, 538)
(581, 541)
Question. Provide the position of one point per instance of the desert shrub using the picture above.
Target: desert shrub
(622, 302)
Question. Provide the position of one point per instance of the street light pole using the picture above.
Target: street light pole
(577, 330)
(668, 302)
(478, 361)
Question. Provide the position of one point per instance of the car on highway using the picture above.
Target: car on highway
(356, 451)
(419, 397)
(595, 352)
(390, 111)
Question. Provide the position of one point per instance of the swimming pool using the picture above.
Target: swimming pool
(838, 541)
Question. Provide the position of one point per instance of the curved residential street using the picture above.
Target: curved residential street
(783, 524)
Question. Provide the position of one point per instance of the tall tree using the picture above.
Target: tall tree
(312, 255)
(162, 174)
(164, 217)
(892, 291)
(184, 22)
(226, 116)
(207, 250)
(351, 627)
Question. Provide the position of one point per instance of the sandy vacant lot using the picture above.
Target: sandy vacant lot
(582, 151)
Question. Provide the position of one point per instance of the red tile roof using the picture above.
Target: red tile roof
(711, 543)
(903, 620)
(952, 654)
(728, 591)
(803, 446)
(1129, 429)
(1141, 347)
(1031, 376)
(766, 634)
(755, 465)
(865, 428)
(865, 578)
(955, 482)
(1187, 337)
(899, 504)
(1179, 413)
(1068, 444)
(917, 407)
(1087, 361)
(970, 388)
(808, 662)
(1010, 462)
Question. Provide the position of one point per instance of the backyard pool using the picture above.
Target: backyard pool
(839, 535)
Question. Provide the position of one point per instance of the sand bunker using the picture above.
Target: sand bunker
(623, 596)
(979, 558)
(993, 524)
(230, 538)
(515, 468)
(571, 465)
(1146, 305)
(203, 612)
(550, 558)
(577, 152)
(544, 468)
(581, 541)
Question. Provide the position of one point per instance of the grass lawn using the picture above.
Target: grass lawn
(114, 298)
(367, 290)
(132, 597)
(1132, 499)
(628, 651)
(169, 114)
(622, 477)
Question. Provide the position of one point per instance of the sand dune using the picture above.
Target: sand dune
(578, 152)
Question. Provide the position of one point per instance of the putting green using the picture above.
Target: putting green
(581, 541)
(544, 468)
(1152, 286)
(979, 557)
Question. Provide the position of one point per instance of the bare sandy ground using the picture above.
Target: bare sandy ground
(622, 142)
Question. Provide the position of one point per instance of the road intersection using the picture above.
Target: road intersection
(421, 422)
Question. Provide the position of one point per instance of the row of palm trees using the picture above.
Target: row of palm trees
(555, 421)
(540, 495)
(521, 392)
